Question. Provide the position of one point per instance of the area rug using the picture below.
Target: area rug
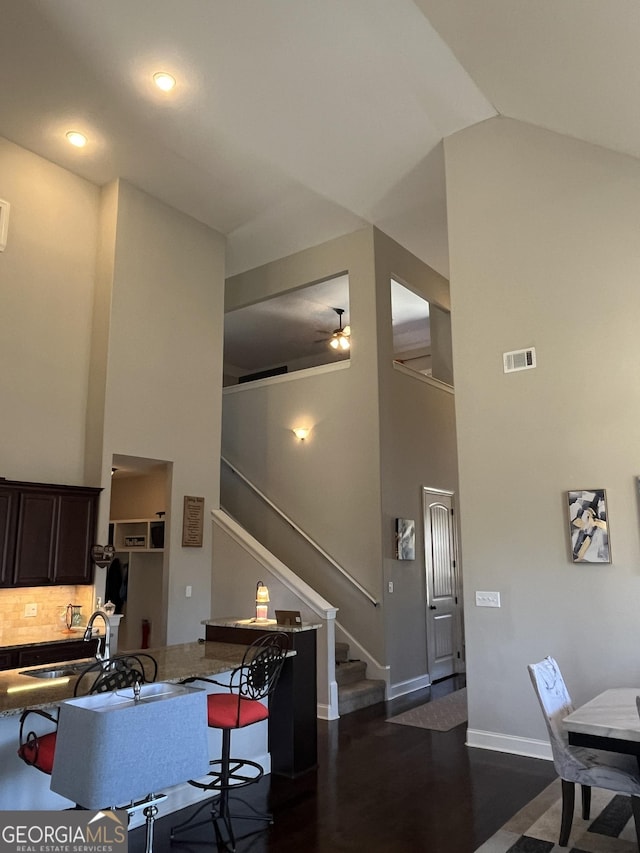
(536, 827)
(440, 714)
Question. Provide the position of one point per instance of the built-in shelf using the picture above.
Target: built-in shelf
(137, 534)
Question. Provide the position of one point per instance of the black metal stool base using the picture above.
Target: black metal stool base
(231, 775)
(228, 775)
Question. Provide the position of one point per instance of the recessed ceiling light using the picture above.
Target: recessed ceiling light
(76, 138)
(164, 81)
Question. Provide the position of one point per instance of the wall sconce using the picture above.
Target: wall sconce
(262, 600)
(301, 432)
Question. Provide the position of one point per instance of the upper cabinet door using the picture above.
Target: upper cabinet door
(75, 531)
(50, 533)
(8, 519)
(36, 539)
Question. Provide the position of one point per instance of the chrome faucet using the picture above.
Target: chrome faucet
(107, 634)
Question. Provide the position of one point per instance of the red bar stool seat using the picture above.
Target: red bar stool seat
(250, 686)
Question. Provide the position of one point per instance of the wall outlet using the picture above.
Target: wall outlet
(487, 599)
(390, 586)
(31, 610)
(188, 591)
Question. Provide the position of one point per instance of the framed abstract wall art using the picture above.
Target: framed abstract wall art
(405, 539)
(588, 526)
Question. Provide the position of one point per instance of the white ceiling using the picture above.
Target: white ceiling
(295, 121)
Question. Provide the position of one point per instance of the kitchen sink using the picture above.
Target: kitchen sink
(58, 670)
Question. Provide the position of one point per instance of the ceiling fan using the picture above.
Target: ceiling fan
(340, 337)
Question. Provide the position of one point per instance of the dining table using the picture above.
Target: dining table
(609, 721)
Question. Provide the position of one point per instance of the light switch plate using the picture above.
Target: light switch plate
(487, 599)
(31, 610)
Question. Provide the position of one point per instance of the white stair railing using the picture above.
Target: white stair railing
(320, 550)
(240, 556)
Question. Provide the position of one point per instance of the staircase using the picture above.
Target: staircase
(355, 690)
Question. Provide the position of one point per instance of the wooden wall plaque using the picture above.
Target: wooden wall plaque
(192, 522)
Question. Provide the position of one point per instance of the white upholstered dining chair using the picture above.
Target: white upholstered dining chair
(590, 768)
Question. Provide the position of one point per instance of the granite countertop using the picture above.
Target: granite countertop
(264, 625)
(175, 663)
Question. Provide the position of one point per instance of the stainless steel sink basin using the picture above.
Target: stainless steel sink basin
(58, 670)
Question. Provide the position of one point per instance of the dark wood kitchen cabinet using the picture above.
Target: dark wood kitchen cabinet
(54, 652)
(49, 531)
(8, 518)
(12, 657)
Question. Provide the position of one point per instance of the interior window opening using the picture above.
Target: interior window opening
(301, 328)
(421, 334)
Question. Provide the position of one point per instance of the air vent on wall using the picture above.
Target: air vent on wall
(519, 359)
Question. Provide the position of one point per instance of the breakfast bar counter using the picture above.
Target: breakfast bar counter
(23, 787)
(175, 663)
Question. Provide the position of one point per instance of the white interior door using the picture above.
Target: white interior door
(444, 623)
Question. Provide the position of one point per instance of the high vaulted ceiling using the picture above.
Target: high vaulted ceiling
(295, 121)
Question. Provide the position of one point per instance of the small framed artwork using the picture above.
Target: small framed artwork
(588, 526)
(405, 539)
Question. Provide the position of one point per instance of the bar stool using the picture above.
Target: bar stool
(38, 750)
(250, 687)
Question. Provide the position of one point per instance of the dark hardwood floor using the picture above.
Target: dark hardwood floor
(381, 787)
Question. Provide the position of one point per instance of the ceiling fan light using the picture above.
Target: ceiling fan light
(334, 343)
(344, 342)
(347, 330)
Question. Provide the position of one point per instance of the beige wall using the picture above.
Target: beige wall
(377, 438)
(417, 449)
(545, 253)
(330, 484)
(139, 495)
(111, 315)
(46, 295)
(164, 376)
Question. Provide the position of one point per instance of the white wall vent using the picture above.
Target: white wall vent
(519, 359)
(4, 223)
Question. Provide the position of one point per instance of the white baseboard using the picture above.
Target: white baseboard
(508, 743)
(329, 711)
(326, 712)
(409, 686)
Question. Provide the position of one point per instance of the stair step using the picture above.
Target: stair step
(342, 652)
(350, 671)
(361, 694)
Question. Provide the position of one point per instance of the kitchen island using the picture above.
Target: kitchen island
(175, 663)
(24, 787)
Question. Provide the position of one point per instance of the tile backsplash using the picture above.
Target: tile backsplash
(49, 622)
